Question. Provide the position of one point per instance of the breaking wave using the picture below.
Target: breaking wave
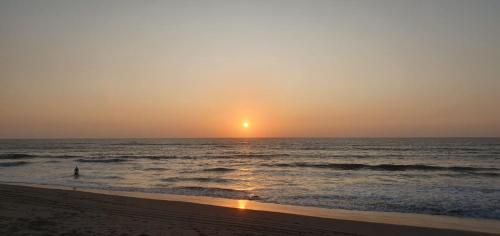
(219, 169)
(155, 169)
(15, 156)
(381, 167)
(113, 160)
(197, 179)
(28, 156)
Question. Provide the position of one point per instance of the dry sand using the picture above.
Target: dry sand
(38, 211)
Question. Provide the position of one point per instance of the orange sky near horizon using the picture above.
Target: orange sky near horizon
(289, 68)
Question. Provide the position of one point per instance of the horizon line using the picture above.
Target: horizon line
(272, 137)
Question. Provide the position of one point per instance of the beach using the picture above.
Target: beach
(143, 118)
(41, 211)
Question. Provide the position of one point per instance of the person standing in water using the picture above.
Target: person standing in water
(77, 171)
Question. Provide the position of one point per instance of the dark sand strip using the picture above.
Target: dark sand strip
(38, 211)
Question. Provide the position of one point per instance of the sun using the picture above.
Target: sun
(246, 125)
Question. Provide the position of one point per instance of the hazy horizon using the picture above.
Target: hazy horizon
(200, 69)
(268, 137)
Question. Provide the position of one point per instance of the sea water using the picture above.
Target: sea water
(444, 176)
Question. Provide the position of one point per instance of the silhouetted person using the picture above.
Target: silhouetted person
(77, 172)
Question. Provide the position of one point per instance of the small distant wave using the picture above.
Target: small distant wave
(28, 156)
(196, 179)
(231, 156)
(14, 163)
(155, 169)
(381, 167)
(15, 156)
(485, 174)
(260, 155)
(148, 157)
(62, 156)
(113, 160)
(157, 157)
(219, 169)
(52, 161)
(135, 143)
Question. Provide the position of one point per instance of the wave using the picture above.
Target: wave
(28, 156)
(112, 177)
(154, 157)
(14, 163)
(196, 179)
(381, 167)
(217, 192)
(203, 157)
(155, 169)
(52, 161)
(150, 157)
(219, 169)
(113, 160)
(485, 174)
(198, 188)
(260, 155)
(135, 143)
(15, 156)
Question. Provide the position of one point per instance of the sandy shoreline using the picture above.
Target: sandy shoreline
(38, 211)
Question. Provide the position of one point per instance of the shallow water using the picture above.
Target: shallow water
(459, 177)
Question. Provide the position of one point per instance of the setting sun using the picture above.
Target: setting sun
(246, 125)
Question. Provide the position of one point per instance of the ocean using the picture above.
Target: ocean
(442, 176)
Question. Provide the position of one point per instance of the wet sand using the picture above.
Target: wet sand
(39, 211)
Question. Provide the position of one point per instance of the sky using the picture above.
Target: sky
(117, 69)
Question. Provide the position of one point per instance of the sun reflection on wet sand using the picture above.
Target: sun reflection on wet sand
(242, 204)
